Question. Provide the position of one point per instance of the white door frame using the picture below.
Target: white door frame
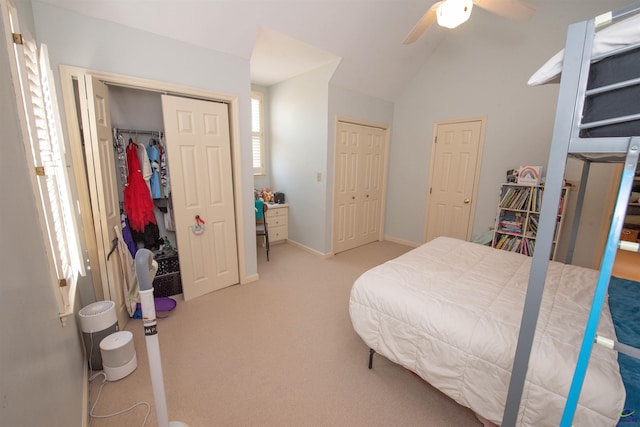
(67, 75)
(385, 170)
(474, 197)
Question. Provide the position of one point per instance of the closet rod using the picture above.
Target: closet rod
(148, 132)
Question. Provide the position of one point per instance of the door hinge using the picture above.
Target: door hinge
(40, 171)
(430, 189)
(62, 283)
(17, 38)
(436, 141)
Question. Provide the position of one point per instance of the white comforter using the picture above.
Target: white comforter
(450, 311)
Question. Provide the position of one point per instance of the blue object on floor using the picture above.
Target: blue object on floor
(624, 304)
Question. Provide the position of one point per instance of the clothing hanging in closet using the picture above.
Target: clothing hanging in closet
(154, 180)
(137, 199)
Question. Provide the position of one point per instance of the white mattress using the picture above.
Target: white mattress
(620, 34)
(450, 311)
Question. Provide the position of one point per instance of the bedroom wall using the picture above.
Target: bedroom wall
(481, 69)
(303, 113)
(95, 44)
(41, 378)
(298, 141)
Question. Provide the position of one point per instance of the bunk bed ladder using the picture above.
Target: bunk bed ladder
(606, 267)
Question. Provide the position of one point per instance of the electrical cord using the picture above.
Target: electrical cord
(104, 382)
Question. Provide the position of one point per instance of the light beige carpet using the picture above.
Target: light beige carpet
(278, 352)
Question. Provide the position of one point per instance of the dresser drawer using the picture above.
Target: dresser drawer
(277, 216)
(275, 210)
(277, 220)
(278, 233)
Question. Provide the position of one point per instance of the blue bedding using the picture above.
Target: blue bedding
(624, 303)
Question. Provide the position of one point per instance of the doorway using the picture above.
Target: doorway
(456, 155)
(106, 284)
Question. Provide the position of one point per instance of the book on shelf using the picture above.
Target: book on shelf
(512, 222)
(532, 226)
(516, 198)
(508, 243)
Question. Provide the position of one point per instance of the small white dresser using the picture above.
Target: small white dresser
(278, 222)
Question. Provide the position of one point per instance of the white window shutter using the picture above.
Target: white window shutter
(52, 177)
(257, 133)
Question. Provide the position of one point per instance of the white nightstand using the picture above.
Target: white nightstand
(278, 222)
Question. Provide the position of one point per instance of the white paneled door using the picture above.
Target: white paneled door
(105, 204)
(358, 190)
(454, 169)
(199, 155)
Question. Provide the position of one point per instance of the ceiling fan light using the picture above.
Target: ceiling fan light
(451, 13)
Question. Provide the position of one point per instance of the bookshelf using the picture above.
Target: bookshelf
(517, 218)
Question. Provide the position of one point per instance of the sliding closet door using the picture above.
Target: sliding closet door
(199, 154)
(105, 205)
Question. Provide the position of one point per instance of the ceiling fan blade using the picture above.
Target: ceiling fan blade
(422, 25)
(514, 10)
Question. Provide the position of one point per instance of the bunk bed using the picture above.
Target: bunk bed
(597, 121)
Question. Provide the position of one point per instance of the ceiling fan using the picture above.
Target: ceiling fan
(451, 13)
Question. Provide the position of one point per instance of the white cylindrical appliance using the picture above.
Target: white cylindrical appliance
(146, 268)
(97, 321)
(118, 355)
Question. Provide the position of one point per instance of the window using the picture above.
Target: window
(45, 143)
(257, 133)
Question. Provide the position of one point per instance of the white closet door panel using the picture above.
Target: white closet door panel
(196, 262)
(105, 203)
(214, 161)
(199, 145)
(346, 191)
(370, 189)
(360, 162)
(189, 184)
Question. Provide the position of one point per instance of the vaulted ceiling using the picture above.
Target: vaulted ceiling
(282, 38)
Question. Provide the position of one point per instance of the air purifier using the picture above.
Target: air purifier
(118, 355)
(97, 321)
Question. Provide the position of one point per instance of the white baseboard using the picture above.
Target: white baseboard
(310, 250)
(402, 242)
(249, 279)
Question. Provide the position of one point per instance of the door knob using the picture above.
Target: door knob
(466, 201)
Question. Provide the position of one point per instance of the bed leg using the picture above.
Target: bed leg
(371, 353)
